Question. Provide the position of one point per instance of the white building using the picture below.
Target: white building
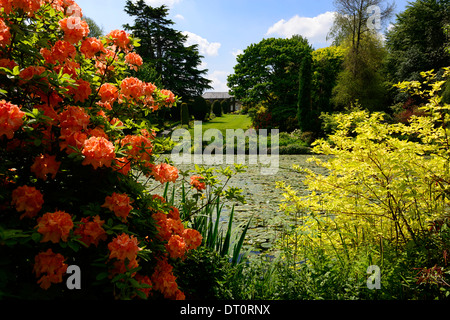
(212, 96)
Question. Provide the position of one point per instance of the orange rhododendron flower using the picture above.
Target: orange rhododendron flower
(30, 72)
(149, 88)
(98, 132)
(45, 164)
(144, 280)
(124, 247)
(6, 5)
(176, 247)
(49, 112)
(120, 204)
(123, 165)
(62, 50)
(5, 35)
(175, 226)
(91, 46)
(28, 6)
(123, 266)
(27, 199)
(74, 118)
(169, 97)
(192, 238)
(108, 93)
(82, 91)
(99, 152)
(70, 67)
(163, 227)
(139, 147)
(55, 226)
(75, 29)
(197, 183)
(50, 266)
(120, 38)
(10, 119)
(70, 139)
(91, 232)
(134, 60)
(164, 281)
(165, 173)
(7, 63)
(132, 87)
(174, 213)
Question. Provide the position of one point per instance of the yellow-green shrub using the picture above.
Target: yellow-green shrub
(384, 182)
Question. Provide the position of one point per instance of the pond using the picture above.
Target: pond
(262, 198)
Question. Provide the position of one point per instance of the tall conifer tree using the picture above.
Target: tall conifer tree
(167, 60)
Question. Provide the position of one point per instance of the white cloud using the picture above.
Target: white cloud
(219, 80)
(179, 17)
(314, 29)
(204, 46)
(237, 52)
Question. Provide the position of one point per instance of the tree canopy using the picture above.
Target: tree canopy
(417, 41)
(268, 73)
(167, 59)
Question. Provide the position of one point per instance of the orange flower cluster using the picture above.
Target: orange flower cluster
(134, 60)
(10, 119)
(99, 152)
(55, 226)
(77, 113)
(50, 266)
(119, 38)
(60, 52)
(120, 204)
(30, 72)
(82, 91)
(197, 183)
(164, 281)
(73, 120)
(171, 229)
(27, 199)
(142, 92)
(144, 280)
(165, 173)
(122, 165)
(5, 35)
(91, 232)
(125, 249)
(6, 5)
(91, 46)
(75, 29)
(45, 164)
(169, 97)
(108, 93)
(7, 63)
(132, 88)
(139, 147)
(192, 238)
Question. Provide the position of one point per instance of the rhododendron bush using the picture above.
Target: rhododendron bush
(74, 139)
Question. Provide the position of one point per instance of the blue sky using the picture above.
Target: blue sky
(224, 28)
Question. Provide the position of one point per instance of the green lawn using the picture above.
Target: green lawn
(227, 121)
